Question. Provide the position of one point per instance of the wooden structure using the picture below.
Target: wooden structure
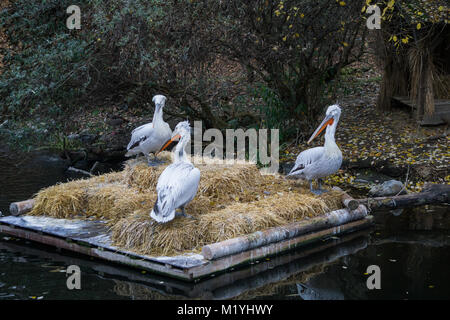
(431, 194)
(92, 238)
(418, 73)
(287, 267)
(441, 113)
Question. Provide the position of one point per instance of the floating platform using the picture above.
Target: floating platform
(92, 238)
(249, 281)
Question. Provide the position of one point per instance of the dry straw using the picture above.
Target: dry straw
(232, 200)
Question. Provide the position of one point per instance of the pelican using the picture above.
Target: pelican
(178, 183)
(150, 137)
(319, 162)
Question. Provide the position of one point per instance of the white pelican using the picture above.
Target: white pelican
(319, 162)
(178, 183)
(150, 137)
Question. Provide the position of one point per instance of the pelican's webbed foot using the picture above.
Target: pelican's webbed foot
(318, 191)
(154, 162)
(184, 214)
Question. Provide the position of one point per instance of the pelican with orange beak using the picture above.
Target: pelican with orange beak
(319, 162)
(178, 183)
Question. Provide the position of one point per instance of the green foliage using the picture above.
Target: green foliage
(43, 60)
(129, 50)
(273, 113)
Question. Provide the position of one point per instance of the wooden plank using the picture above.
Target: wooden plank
(21, 207)
(441, 103)
(93, 252)
(280, 267)
(226, 285)
(176, 272)
(91, 238)
(275, 248)
(92, 233)
(284, 271)
(431, 194)
(261, 238)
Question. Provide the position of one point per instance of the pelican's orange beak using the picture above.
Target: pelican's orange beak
(174, 138)
(328, 121)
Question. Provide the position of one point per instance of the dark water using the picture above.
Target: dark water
(411, 248)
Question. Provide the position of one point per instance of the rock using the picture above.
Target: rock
(116, 140)
(397, 212)
(88, 138)
(387, 188)
(115, 121)
(390, 169)
(76, 155)
(425, 172)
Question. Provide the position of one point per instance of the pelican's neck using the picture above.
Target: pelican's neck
(180, 153)
(330, 143)
(158, 116)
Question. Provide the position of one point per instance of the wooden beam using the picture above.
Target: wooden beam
(431, 194)
(21, 207)
(272, 249)
(347, 200)
(262, 238)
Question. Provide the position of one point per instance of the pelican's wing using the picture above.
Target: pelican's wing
(141, 127)
(306, 158)
(140, 134)
(176, 187)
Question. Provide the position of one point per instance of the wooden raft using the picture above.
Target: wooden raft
(227, 285)
(92, 238)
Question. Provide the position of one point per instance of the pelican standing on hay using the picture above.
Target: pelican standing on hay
(150, 137)
(319, 162)
(178, 183)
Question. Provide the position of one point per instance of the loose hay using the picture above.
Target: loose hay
(232, 200)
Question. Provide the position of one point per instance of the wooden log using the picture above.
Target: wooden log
(347, 200)
(277, 234)
(431, 194)
(79, 171)
(21, 207)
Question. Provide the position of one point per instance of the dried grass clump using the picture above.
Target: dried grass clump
(63, 200)
(141, 234)
(232, 200)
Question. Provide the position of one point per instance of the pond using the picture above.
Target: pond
(411, 248)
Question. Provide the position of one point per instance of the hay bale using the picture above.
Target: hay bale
(63, 200)
(232, 200)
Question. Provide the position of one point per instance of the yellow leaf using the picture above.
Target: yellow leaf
(419, 26)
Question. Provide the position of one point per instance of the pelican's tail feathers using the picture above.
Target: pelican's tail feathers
(163, 210)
